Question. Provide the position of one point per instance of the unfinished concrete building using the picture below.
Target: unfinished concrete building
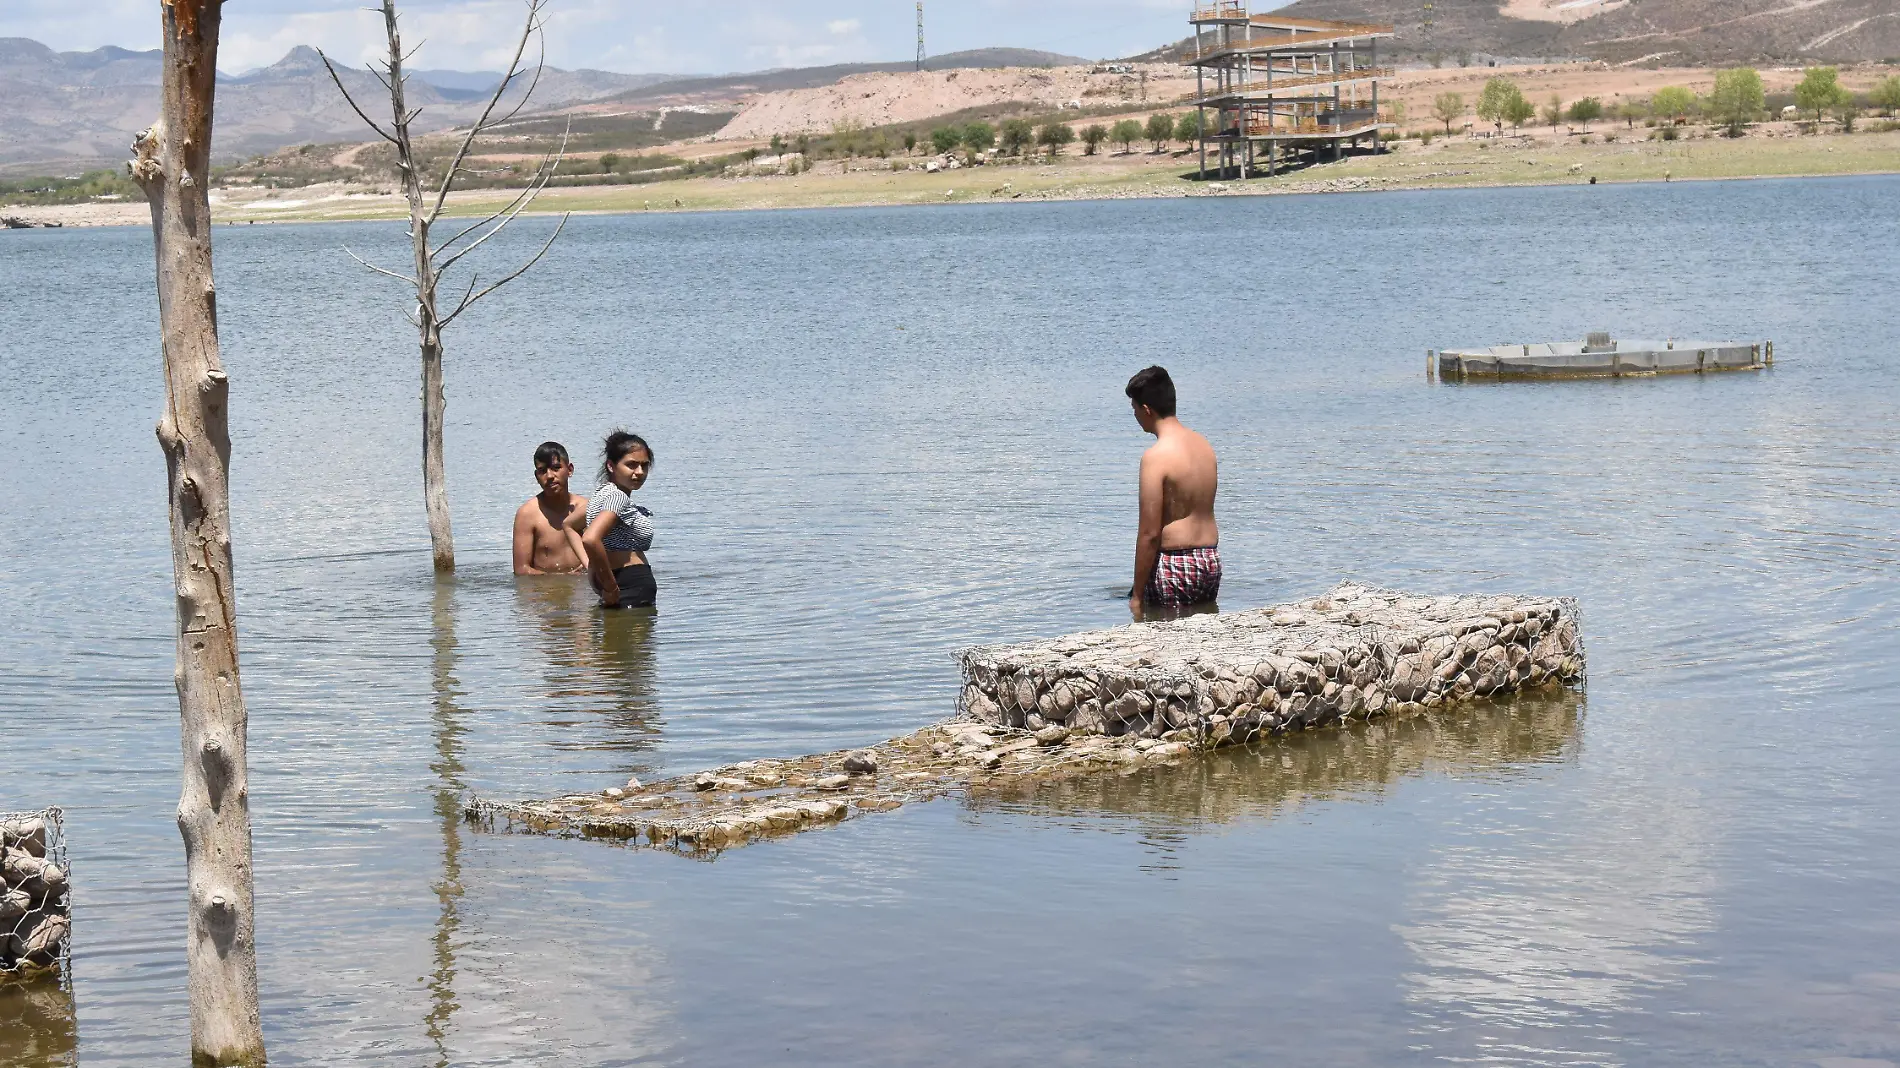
(1273, 88)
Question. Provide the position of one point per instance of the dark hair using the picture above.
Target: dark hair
(549, 454)
(1153, 387)
(620, 443)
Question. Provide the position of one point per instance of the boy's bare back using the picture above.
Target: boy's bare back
(1189, 475)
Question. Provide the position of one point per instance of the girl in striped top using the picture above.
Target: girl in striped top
(615, 531)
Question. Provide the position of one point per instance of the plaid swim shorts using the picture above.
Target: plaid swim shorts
(1185, 576)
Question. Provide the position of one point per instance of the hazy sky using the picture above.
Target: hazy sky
(635, 36)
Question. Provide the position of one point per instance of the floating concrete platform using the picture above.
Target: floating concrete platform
(1599, 357)
(1107, 703)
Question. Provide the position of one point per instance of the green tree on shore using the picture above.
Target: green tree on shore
(1672, 103)
(945, 139)
(978, 137)
(1494, 104)
(1553, 112)
(1092, 137)
(1447, 107)
(1159, 129)
(1518, 111)
(1821, 90)
(1054, 135)
(1125, 133)
(910, 141)
(1886, 95)
(1586, 111)
(1631, 110)
(1187, 128)
(1017, 134)
(1737, 99)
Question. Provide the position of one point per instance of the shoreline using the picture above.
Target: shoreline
(1460, 163)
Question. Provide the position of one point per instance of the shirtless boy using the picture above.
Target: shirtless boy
(543, 543)
(1177, 554)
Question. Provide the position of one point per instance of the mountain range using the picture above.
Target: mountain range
(70, 110)
(67, 111)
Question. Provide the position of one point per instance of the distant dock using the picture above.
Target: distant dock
(1598, 357)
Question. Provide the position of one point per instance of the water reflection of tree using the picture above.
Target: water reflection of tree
(38, 1028)
(1268, 779)
(447, 717)
(599, 667)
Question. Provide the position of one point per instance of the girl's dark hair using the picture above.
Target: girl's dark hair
(620, 443)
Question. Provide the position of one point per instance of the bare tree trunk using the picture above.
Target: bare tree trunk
(432, 261)
(435, 488)
(172, 164)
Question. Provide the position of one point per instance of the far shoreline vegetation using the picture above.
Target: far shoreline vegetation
(631, 163)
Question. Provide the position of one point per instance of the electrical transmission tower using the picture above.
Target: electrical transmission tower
(920, 34)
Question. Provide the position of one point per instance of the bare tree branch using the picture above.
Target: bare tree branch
(543, 176)
(379, 270)
(469, 302)
(380, 132)
(528, 29)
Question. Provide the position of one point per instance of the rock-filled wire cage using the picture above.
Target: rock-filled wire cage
(35, 896)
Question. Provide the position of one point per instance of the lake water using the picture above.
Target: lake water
(885, 434)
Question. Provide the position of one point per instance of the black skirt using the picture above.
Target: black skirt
(637, 588)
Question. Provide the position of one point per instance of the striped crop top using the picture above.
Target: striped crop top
(633, 533)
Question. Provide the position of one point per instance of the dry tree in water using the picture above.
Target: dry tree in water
(433, 259)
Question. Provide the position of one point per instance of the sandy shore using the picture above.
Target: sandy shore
(1538, 159)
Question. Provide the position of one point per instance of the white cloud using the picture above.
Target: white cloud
(841, 27)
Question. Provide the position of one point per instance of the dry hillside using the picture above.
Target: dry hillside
(1676, 32)
(885, 98)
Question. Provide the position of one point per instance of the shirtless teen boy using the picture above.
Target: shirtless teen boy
(1177, 544)
(544, 545)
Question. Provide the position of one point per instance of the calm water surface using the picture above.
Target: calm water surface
(885, 434)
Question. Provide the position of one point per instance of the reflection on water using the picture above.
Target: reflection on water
(38, 1028)
(597, 665)
(1533, 935)
(1270, 778)
(447, 718)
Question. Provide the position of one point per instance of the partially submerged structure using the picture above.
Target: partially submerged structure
(1108, 703)
(1599, 356)
(1271, 86)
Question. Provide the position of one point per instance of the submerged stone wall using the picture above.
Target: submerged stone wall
(1104, 704)
(1358, 651)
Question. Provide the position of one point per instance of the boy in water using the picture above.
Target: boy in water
(1177, 543)
(543, 543)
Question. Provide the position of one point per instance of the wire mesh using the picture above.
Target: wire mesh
(35, 895)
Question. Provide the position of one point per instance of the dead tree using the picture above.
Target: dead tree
(432, 260)
(172, 163)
